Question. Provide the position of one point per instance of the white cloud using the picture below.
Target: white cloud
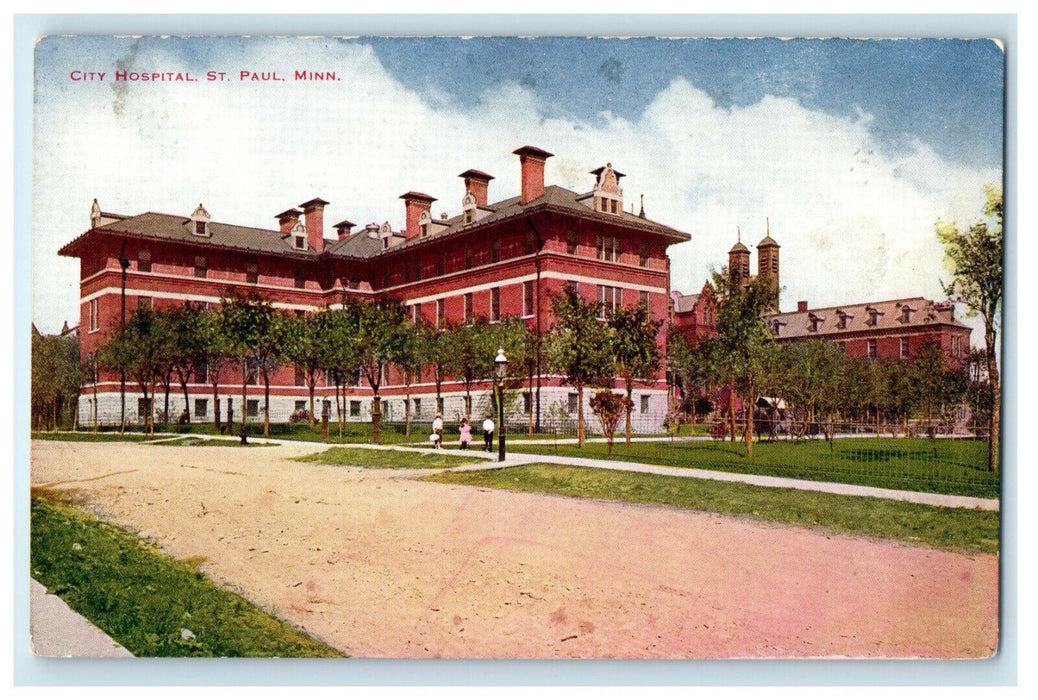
(855, 223)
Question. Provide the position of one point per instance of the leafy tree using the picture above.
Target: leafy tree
(434, 351)
(814, 381)
(609, 408)
(512, 336)
(186, 350)
(471, 349)
(636, 352)
(410, 361)
(378, 331)
(246, 322)
(56, 376)
(743, 341)
(214, 355)
(693, 369)
(339, 359)
(940, 385)
(302, 346)
(139, 349)
(975, 257)
(577, 346)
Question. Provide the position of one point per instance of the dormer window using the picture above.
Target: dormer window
(423, 223)
(814, 322)
(608, 197)
(468, 208)
(843, 318)
(200, 221)
(298, 234)
(777, 325)
(906, 313)
(874, 315)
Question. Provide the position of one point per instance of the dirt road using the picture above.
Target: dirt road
(380, 565)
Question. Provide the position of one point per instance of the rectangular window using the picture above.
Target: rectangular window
(252, 408)
(468, 258)
(418, 407)
(201, 408)
(439, 313)
(300, 375)
(300, 406)
(528, 307)
(300, 280)
(93, 314)
(144, 261)
(252, 273)
(610, 298)
(468, 307)
(416, 312)
(495, 250)
(871, 348)
(572, 404)
(526, 402)
(495, 304)
(904, 348)
(645, 403)
(143, 408)
(643, 255)
(355, 409)
(572, 286)
(571, 243)
(200, 269)
(643, 299)
(201, 372)
(144, 302)
(608, 249)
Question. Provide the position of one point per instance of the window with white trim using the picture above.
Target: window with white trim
(610, 298)
(93, 315)
(495, 304)
(528, 303)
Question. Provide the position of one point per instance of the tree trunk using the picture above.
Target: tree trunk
(629, 386)
(244, 399)
(995, 417)
(311, 382)
(376, 418)
(266, 405)
(187, 401)
(748, 413)
(731, 410)
(407, 407)
(216, 407)
(580, 415)
(165, 409)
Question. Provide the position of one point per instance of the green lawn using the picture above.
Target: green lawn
(946, 528)
(149, 603)
(387, 459)
(934, 466)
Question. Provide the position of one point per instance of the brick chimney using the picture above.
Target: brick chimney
(343, 228)
(477, 182)
(801, 306)
(287, 219)
(415, 203)
(314, 212)
(532, 162)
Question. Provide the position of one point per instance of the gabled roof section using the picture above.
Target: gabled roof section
(556, 199)
(168, 227)
(859, 317)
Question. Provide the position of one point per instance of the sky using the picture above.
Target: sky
(851, 149)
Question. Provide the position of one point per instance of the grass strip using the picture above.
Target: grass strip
(946, 466)
(387, 459)
(89, 437)
(946, 528)
(151, 604)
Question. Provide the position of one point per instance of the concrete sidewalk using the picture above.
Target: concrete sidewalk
(56, 630)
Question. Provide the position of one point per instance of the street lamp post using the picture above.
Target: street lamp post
(500, 371)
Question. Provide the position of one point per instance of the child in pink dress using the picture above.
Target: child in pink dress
(466, 433)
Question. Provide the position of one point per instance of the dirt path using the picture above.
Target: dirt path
(380, 565)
